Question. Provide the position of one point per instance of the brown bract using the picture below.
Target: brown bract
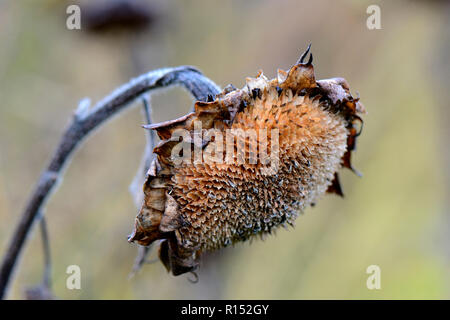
(205, 205)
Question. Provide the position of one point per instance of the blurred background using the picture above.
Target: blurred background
(396, 216)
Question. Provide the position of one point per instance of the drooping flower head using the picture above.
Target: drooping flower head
(246, 162)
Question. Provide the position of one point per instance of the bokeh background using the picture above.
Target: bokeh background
(396, 216)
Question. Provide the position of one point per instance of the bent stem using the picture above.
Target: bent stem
(84, 121)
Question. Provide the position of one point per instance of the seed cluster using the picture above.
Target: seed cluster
(225, 203)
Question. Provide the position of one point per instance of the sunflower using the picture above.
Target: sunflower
(285, 141)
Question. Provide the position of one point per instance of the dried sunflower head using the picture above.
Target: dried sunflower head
(245, 163)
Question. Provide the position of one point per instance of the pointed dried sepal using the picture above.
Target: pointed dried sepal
(300, 76)
(335, 186)
(171, 219)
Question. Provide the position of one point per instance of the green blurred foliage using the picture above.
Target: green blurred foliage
(396, 216)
